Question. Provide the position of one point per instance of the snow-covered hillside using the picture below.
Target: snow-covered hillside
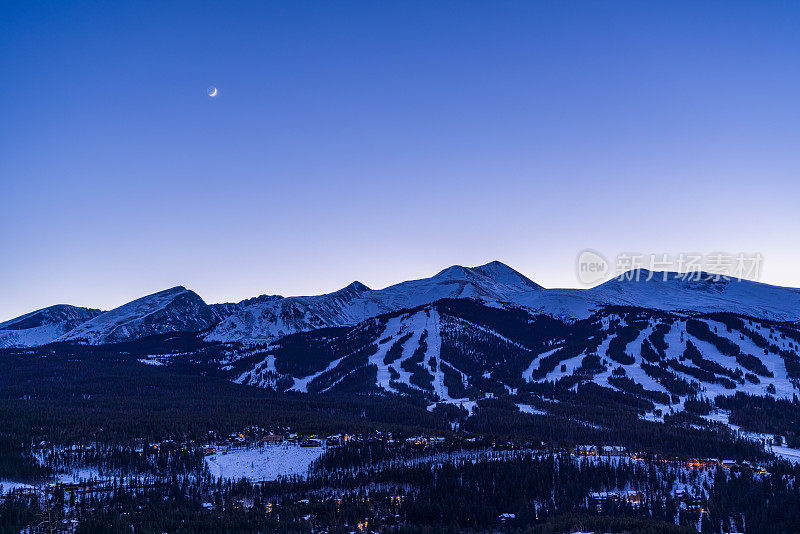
(172, 310)
(273, 317)
(679, 293)
(459, 351)
(43, 326)
(669, 292)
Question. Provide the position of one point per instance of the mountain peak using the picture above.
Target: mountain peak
(500, 272)
(352, 290)
(176, 309)
(358, 287)
(453, 272)
(494, 264)
(172, 290)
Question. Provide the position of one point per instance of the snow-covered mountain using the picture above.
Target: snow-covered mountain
(43, 326)
(669, 291)
(269, 318)
(466, 333)
(459, 351)
(172, 310)
(703, 293)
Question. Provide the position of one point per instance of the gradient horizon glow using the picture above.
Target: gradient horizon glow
(385, 141)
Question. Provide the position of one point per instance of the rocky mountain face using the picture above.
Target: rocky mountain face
(43, 326)
(269, 318)
(172, 310)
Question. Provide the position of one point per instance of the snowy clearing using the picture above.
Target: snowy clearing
(263, 463)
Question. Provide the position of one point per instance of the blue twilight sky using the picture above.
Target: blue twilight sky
(383, 141)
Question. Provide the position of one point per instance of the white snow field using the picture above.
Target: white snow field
(263, 463)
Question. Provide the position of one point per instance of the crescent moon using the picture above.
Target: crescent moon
(213, 92)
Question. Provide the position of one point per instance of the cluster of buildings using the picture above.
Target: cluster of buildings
(599, 450)
(692, 503)
(602, 500)
(610, 451)
(254, 435)
(251, 436)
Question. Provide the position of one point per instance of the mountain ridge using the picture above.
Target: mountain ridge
(44, 325)
(356, 302)
(171, 310)
(269, 317)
